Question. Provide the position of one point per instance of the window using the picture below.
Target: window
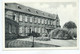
(10, 28)
(42, 21)
(37, 12)
(35, 29)
(45, 21)
(15, 17)
(18, 6)
(14, 29)
(49, 15)
(20, 19)
(39, 30)
(31, 19)
(38, 20)
(6, 4)
(26, 19)
(27, 30)
(9, 14)
(20, 29)
(35, 19)
(42, 30)
(43, 13)
(31, 29)
(29, 10)
(51, 22)
(48, 21)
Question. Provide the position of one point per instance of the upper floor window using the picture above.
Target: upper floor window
(31, 18)
(42, 21)
(45, 21)
(38, 20)
(51, 22)
(9, 14)
(54, 22)
(20, 19)
(35, 20)
(48, 21)
(15, 17)
(26, 18)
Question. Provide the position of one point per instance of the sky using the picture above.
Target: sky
(67, 11)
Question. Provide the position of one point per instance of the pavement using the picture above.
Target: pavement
(62, 43)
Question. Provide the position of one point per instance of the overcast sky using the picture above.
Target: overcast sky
(67, 11)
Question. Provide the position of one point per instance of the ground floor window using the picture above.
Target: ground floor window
(27, 30)
(14, 29)
(20, 29)
(42, 30)
(35, 29)
(10, 28)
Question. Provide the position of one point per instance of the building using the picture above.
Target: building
(29, 19)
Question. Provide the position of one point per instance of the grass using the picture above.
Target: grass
(20, 44)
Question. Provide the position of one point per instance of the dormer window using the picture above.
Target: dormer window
(18, 6)
(43, 13)
(29, 10)
(49, 15)
(36, 12)
(6, 4)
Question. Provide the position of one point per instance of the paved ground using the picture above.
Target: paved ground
(63, 43)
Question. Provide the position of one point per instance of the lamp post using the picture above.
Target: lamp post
(48, 33)
(33, 38)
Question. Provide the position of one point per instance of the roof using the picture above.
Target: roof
(28, 10)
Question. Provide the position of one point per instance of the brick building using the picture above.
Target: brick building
(27, 19)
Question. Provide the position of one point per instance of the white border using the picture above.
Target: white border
(36, 48)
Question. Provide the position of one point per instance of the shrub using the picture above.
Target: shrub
(73, 33)
(43, 38)
(63, 33)
(59, 34)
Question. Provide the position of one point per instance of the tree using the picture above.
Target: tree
(69, 25)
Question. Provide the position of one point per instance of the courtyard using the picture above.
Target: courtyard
(28, 42)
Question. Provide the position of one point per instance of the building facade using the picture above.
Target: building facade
(29, 19)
